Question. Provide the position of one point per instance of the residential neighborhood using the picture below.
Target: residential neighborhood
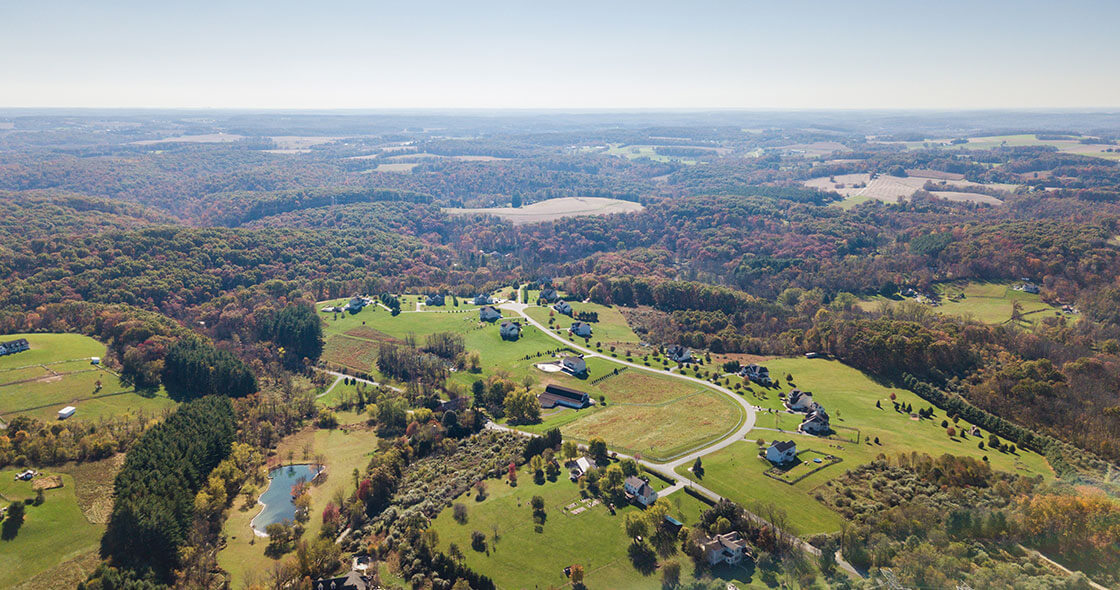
(563, 307)
(510, 330)
(678, 354)
(781, 452)
(581, 329)
(574, 365)
(639, 490)
(489, 314)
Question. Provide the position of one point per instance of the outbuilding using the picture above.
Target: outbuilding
(66, 412)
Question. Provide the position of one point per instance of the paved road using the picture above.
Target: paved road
(669, 469)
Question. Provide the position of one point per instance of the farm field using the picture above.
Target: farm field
(55, 532)
(990, 303)
(857, 188)
(655, 416)
(553, 209)
(56, 372)
(523, 558)
(344, 450)
(849, 396)
(1072, 146)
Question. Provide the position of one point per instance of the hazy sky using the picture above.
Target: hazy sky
(569, 54)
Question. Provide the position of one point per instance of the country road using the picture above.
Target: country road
(668, 469)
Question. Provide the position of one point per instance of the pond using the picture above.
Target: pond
(277, 499)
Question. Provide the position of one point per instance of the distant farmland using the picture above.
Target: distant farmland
(860, 187)
(554, 209)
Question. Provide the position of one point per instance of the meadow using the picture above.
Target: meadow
(521, 557)
(56, 372)
(987, 302)
(850, 398)
(611, 328)
(52, 533)
(553, 209)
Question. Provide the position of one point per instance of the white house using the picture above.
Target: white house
(489, 314)
(563, 307)
(581, 329)
(781, 452)
(511, 330)
(66, 412)
(728, 548)
(580, 466)
(640, 490)
(756, 373)
(678, 354)
(800, 401)
(95, 360)
(356, 304)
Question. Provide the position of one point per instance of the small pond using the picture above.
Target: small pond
(277, 499)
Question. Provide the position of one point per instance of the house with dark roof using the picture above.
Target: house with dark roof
(678, 354)
(483, 299)
(816, 422)
(800, 401)
(581, 329)
(434, 300)
(558, 395)
(574, 365)
(489, 314)
(729, 548)
(781, 452)
(549, 295)
(14, 346)
(510, 330)
(351, 581)
(757, 373)
(638, 489)
(563, 307)
(355, 304)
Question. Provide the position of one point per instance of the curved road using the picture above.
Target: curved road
(669, 468)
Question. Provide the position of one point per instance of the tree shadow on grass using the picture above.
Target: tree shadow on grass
(643, 558)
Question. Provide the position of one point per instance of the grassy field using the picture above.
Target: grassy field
(524, 558)
(646, 151)
(52, 533)
(655, 416)
(344, 450)
(611, 328)
(990, 303)
(56, 372)
(553, 209)
(849, 396)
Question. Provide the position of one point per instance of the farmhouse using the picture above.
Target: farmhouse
(574, 365)
(816, 422)
(678, 354)
(14, 346)
(356, 304)
(510, 330)
(800, 401)
(351, 581)
(489, 314)
(639, 489)
(757, 373)
(558, 395)
(728, 548)
(1030, 288)
(563, 307)
(549, 295)
(581, 329)
(434, 300)
(781, 452)
(483, 299)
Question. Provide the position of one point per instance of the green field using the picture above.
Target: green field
(849, 396)
(655, 416)
(990, 303)
(56, 372)
(344, 451)
(524, 558)
(52, 533)
(646, 151)
(610, 329)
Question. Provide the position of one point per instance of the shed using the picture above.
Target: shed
(66, 412)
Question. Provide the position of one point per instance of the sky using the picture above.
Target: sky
(607, 54)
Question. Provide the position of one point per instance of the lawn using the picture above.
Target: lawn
(611, 328)
(850, 397)
(524, 558)
(990, 303)
(344, 450)
(56, 372)
(52, 533)
(656, 416)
